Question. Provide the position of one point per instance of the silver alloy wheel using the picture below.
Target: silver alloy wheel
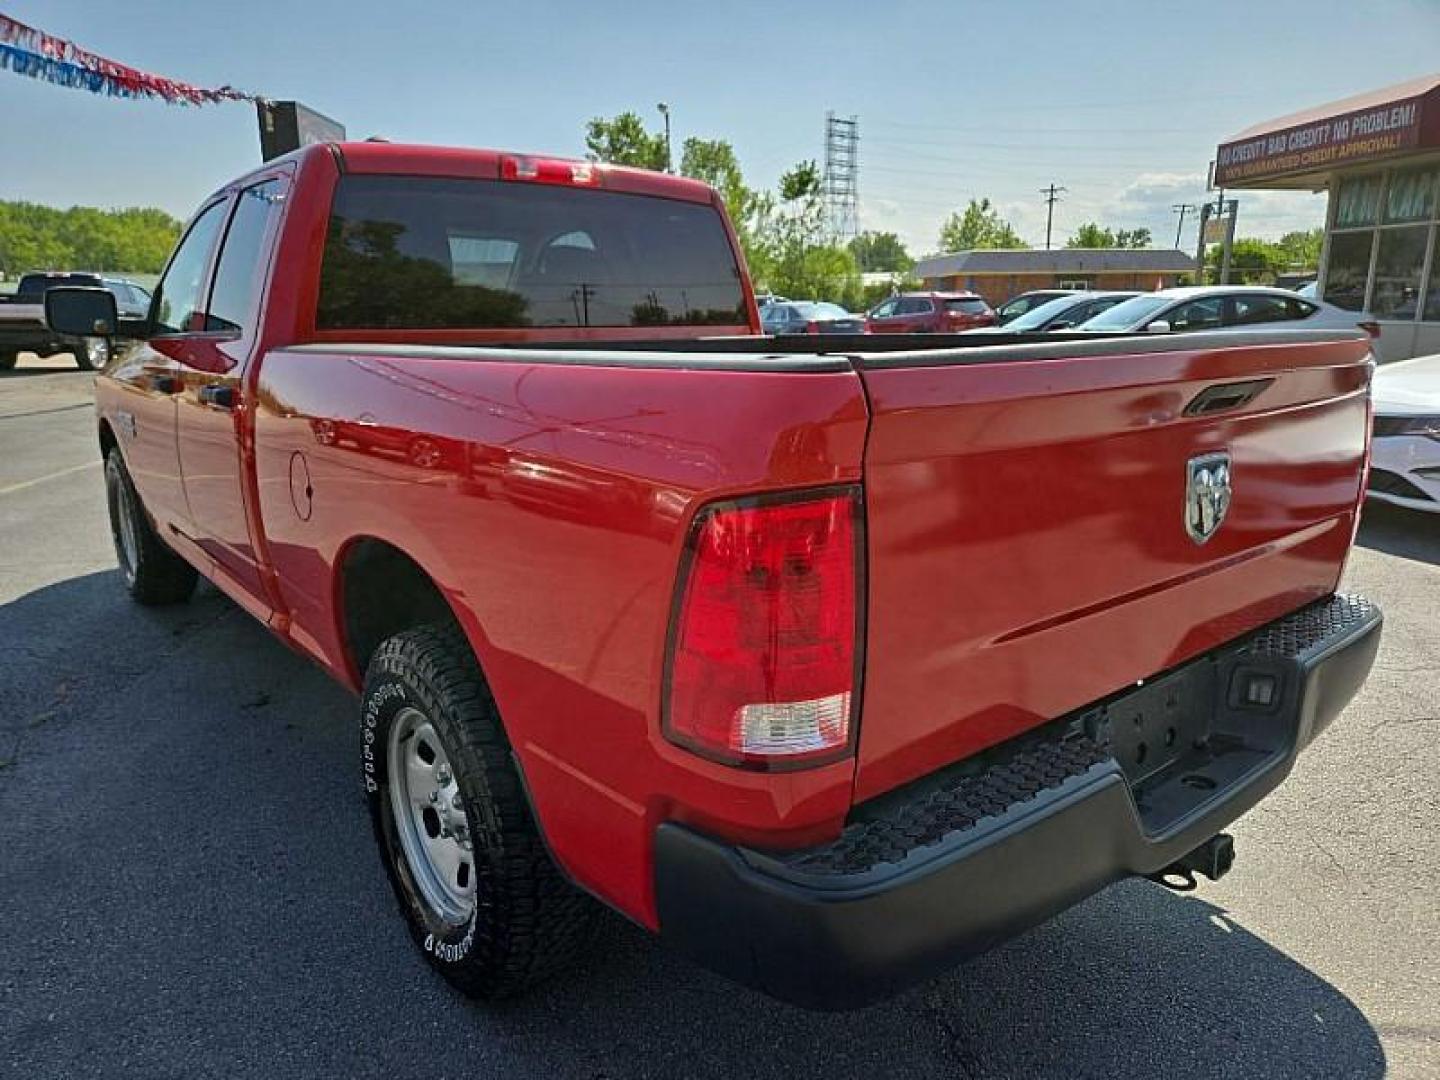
(430, 817)
(124, 526)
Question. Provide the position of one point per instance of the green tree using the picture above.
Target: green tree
(881, 251)
(790, 253)
(714, 162)
(1252, 261)
(34, 237)
(1091, 235)
(1301, 250)
(624, 141)
(978, 226)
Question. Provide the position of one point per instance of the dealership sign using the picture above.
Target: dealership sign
(1375, 131)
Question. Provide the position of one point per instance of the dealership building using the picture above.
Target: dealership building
(1378, 157)
(997, 275)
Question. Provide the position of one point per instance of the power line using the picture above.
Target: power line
(1052, 196)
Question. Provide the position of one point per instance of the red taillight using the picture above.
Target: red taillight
(762, 663)
(549, 171)
(1371, 328)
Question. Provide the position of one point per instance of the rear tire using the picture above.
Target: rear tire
(153, 573)
(481, 897)
(8, 357)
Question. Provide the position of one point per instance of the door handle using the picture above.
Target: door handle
(164, 380)
(217, 394)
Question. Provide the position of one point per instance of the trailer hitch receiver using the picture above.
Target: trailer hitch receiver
(1212, 859)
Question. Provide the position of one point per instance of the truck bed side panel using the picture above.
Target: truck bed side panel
(1028, 553)
(550, 501)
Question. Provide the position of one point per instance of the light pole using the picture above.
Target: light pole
(665, 112)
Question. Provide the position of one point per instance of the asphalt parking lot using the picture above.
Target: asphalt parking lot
(188, 886)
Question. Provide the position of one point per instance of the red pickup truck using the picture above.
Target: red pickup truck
(831, 662)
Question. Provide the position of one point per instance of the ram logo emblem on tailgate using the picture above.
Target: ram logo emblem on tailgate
(1207, 494)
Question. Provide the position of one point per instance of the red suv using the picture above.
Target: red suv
(930, 313)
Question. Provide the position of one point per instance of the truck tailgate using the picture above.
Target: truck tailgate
(1027, 522)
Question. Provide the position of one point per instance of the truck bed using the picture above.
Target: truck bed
(1030, 490)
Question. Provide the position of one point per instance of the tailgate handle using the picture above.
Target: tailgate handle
(1226, 396)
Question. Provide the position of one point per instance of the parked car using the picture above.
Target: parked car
(809, 317)
(765, 299)
(1019, 305)
(22, 317)
(1405, 450)
(608, 585)
(1062, 313)
(1226, 307)
(929, 313)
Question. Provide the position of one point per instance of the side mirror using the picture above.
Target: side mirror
(81, 311)
(1159, 326)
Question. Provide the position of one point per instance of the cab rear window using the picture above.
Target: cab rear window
(421, 253)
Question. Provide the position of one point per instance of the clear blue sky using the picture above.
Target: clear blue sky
(1122, 103)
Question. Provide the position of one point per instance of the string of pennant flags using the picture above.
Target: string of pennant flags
(33, 53)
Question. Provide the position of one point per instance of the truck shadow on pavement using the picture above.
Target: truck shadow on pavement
(202, 782)
(1396, 530)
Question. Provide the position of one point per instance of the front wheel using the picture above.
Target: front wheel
(91, 354)
(481, 897)
(153, 573)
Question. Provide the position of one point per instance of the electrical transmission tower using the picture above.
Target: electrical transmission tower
(842, 174)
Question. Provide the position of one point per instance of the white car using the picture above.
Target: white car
(1405, 450)
(1227, 307)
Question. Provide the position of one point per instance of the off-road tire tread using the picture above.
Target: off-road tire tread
(535, 921)
(161, 576)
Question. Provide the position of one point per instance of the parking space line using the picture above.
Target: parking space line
(24, 484)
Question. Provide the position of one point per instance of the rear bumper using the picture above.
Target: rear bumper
(961, 861)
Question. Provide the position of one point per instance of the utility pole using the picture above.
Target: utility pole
(1205, 209)
(1228, 244)
(1221, 207)
(1052, 196)
(1182, 209)
(669, 161)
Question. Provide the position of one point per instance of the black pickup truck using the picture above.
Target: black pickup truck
(22, 318)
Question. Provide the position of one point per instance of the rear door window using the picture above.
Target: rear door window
(1255, 310)
(1196, 315)
(428, 253)
(239, 271)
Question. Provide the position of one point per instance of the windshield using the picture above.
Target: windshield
(1037, 317)
(822, 311)
(1130, 313)
(967, 306)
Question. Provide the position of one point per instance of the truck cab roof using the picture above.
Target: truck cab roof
(419, 159)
